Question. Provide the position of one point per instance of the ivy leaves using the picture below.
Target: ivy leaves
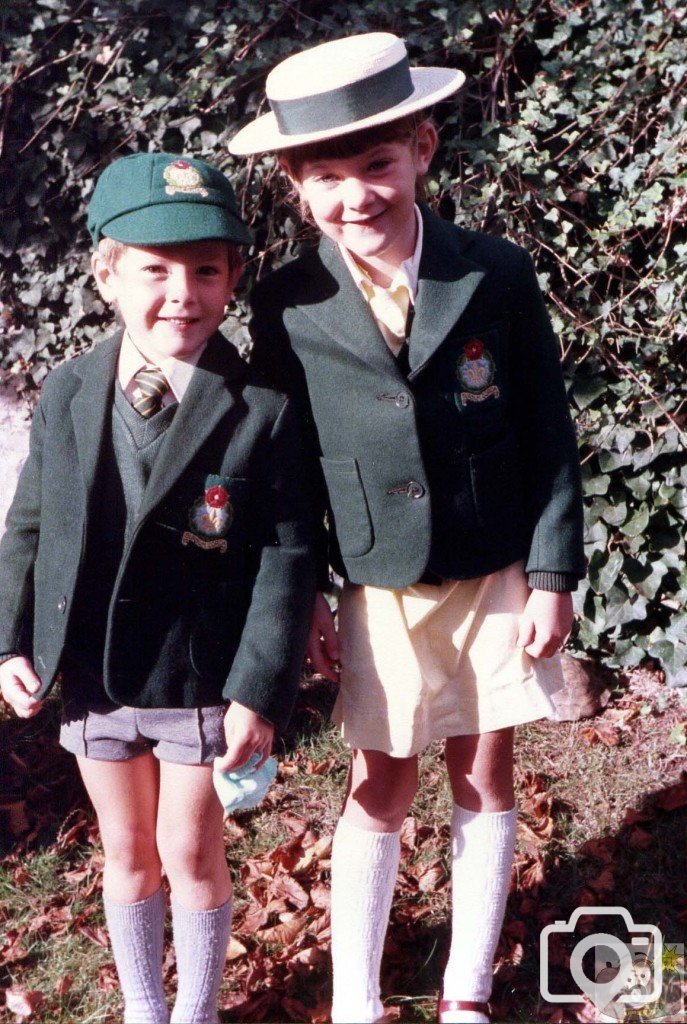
(570, 136)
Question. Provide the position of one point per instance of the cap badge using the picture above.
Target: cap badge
(210, 519)
(475, 372)
(181, 176)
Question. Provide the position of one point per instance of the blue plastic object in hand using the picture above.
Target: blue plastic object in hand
(240, 789)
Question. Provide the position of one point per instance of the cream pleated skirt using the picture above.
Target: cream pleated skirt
(429, 662)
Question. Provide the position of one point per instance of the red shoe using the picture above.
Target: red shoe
(449, 1005)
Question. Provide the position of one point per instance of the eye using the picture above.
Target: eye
(380, 164)
(154, 268)
(325, 178)
(208, 270)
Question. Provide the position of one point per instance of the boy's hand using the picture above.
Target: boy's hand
(545, 622)
(247, 734)
(18, 683)
(323, 643)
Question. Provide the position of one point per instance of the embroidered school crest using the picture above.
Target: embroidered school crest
(475, 372)
(181, 176)
(210, 518)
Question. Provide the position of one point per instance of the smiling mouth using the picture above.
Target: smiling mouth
(363, 223)
(181, 321)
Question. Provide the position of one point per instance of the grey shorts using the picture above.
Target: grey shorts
(114, 733)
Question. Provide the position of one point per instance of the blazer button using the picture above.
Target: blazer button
(402, 400)
(415, 490)
(62, 604)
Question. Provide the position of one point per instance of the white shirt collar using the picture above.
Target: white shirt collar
(408, 273)
(177, 371)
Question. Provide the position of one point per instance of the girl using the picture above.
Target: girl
(428, 372)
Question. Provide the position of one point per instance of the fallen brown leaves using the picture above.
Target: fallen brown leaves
(281, 923)
(278, 961)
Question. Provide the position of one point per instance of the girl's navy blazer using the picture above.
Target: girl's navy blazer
(210, 603)
(465, 466)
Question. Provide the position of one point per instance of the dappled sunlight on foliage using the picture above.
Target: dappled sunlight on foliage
(570, 137)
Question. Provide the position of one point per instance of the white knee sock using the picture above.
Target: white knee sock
(137, 932)
(201, 938)
(482, 848)
(364, 869)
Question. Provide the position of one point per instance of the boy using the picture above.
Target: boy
(157, 555)
(425, 361)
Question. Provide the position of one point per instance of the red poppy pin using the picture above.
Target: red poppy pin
(475, 372)
(210, 519)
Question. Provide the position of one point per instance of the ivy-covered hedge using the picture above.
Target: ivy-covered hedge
(570, 137)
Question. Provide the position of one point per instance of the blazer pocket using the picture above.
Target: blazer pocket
(496, 478)
(349, 506)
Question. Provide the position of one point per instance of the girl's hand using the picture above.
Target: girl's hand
(323, 643)
(247, 734)
(18, 683)
(545, 622)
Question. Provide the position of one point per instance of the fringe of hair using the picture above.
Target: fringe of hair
(111, 252)
(292, 160)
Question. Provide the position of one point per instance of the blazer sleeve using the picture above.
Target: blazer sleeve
(551, 467)
(19, 547)
(274, 359)
(266, 669)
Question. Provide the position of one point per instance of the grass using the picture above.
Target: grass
(576, 844)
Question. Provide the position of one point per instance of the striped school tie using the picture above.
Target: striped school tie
(151, 387)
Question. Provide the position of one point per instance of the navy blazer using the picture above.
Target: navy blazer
(465, 466)
(199, 613)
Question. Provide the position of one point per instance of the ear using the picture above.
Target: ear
(287, 171)
(427, 141)
(234, 276)
(103, 273)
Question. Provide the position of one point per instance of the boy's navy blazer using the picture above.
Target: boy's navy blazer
(188, 625)
(465, 466)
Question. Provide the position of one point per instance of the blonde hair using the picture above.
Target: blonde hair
(111, 251)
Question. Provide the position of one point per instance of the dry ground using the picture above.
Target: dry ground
(603, 821)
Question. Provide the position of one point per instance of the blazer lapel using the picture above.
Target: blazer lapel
(447, 282)
(92, 405)
(345, 315)
(205, 402)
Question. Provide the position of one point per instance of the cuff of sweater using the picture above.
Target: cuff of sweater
(9, 656)
(553, 581)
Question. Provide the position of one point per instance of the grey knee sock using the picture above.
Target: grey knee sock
(201, 938)
(137, 932)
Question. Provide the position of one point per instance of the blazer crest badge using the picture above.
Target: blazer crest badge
(181, 176)
(475, 372)
(210, 518)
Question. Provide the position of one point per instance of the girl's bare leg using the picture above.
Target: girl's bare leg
(483, 835)
(365, 860)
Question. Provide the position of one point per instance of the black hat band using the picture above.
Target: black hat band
(347, 104)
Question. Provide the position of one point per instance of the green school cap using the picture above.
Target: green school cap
(164, 199)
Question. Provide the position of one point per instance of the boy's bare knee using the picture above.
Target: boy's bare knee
(133, 849)
(189, 856)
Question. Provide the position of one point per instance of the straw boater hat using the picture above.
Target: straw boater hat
(341, 87)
